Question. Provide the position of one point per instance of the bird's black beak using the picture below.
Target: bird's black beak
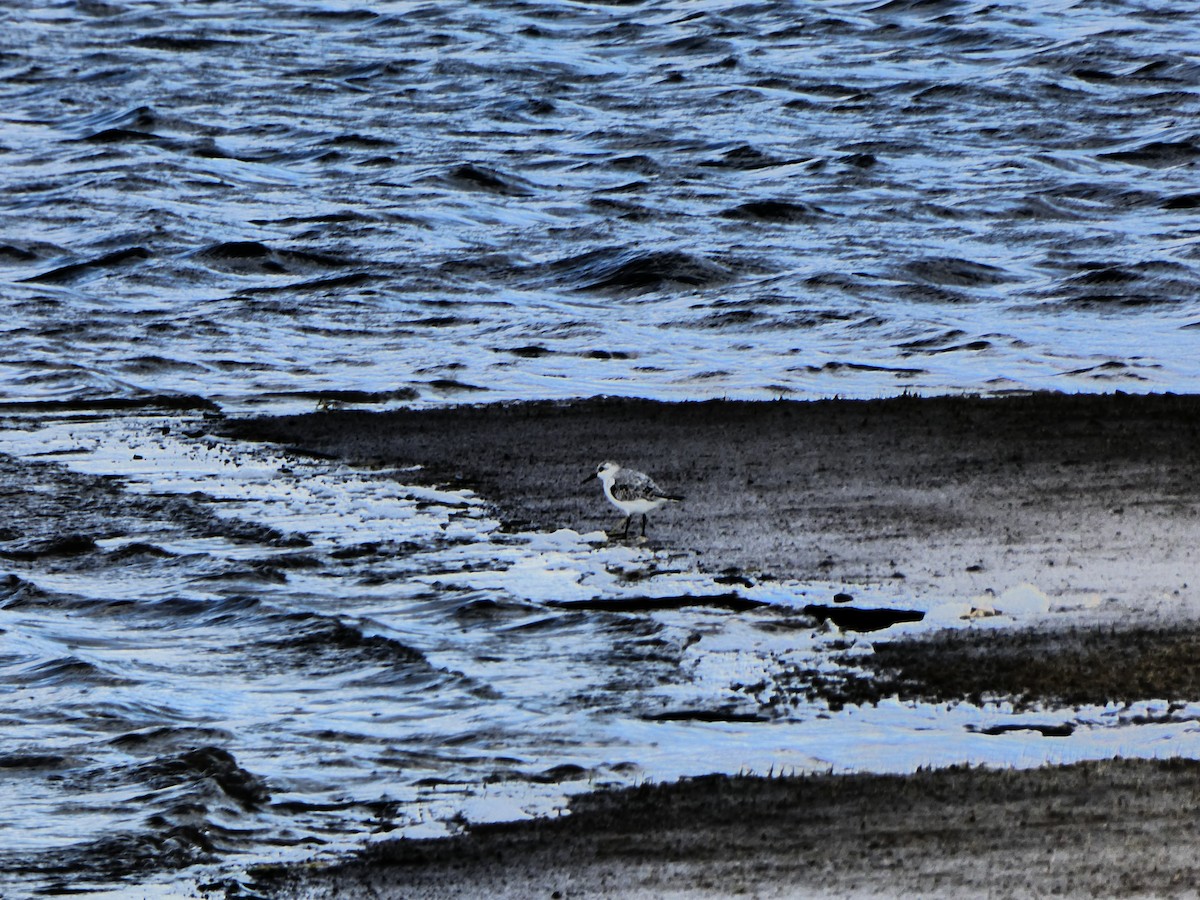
(589, 478)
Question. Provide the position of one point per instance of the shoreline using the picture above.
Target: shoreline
(1107, 828)
(1091, 499)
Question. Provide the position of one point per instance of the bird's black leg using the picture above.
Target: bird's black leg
(625, 533)
(643, 524)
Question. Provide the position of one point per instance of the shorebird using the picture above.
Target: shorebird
(630, 491)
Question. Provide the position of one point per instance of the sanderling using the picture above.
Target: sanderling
(630, 491)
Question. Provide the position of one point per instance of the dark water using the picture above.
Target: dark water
(213, 655)
(553, 199)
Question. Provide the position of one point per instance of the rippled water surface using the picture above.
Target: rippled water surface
(554, 199)
(213, 655)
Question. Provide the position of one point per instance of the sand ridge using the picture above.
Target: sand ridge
(1092, 499)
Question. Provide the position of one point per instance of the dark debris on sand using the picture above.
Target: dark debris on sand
(1069, 666)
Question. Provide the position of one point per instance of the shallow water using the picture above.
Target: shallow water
(213, 655)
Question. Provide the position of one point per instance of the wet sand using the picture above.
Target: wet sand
(1092, 499)
(1103, 829)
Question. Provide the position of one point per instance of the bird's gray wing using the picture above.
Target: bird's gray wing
(632, 485)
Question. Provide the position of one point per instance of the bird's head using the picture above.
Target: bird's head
(608, 467)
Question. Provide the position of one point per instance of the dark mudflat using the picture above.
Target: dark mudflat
(940, 497)
(1103, 829)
